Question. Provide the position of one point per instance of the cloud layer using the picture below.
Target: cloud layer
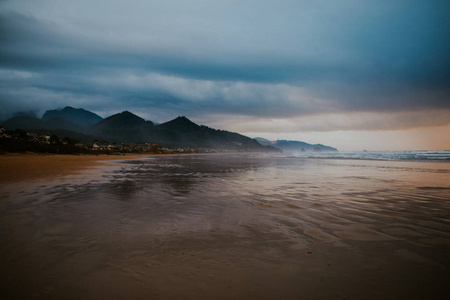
(292, 66)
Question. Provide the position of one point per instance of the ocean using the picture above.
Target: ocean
(233, 226)
(425, 155)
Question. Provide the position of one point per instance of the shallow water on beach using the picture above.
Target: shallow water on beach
(230, 227)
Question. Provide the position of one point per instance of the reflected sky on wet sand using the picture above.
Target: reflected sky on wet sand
(231, 226)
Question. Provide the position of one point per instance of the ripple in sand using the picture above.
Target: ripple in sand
(360, 233)
(320, 235)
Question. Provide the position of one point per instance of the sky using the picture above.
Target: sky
(352, 74)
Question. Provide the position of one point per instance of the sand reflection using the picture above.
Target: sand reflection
(231, 226)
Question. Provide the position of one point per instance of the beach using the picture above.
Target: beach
(21, 167)
(222, 226)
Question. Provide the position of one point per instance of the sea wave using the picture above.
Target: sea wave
(435, 156)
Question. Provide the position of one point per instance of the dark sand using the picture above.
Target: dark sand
(227, 227)
(20, 167)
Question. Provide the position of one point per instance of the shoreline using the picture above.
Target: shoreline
(32, 166)
(24, 167)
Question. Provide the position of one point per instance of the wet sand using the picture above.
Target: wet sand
(21, 167)
(229, 227)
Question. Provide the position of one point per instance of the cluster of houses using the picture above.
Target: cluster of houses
(43, 138)
(124, 147)
(3, 133)
(34, 137)
(142, 148)
(99, 147)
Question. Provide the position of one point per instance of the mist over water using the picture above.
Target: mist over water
(231, 226)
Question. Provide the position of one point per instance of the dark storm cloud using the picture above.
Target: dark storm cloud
(254, 58)
(36, 45)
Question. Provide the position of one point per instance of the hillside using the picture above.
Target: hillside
(186, 133)
(125, 127)
(75, 115)
(32, 123)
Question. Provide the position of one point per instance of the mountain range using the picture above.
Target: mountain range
(126, 127)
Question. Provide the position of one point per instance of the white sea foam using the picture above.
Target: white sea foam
(443, 156)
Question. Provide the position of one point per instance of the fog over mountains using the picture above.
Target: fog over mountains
(296, 146)
(126, 127)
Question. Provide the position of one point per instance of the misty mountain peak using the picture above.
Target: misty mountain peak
(124, 118)
(124, 127)
(179, 123)
(184, 120)
(75, 115)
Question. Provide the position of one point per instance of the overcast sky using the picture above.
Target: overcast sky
(351, 74)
